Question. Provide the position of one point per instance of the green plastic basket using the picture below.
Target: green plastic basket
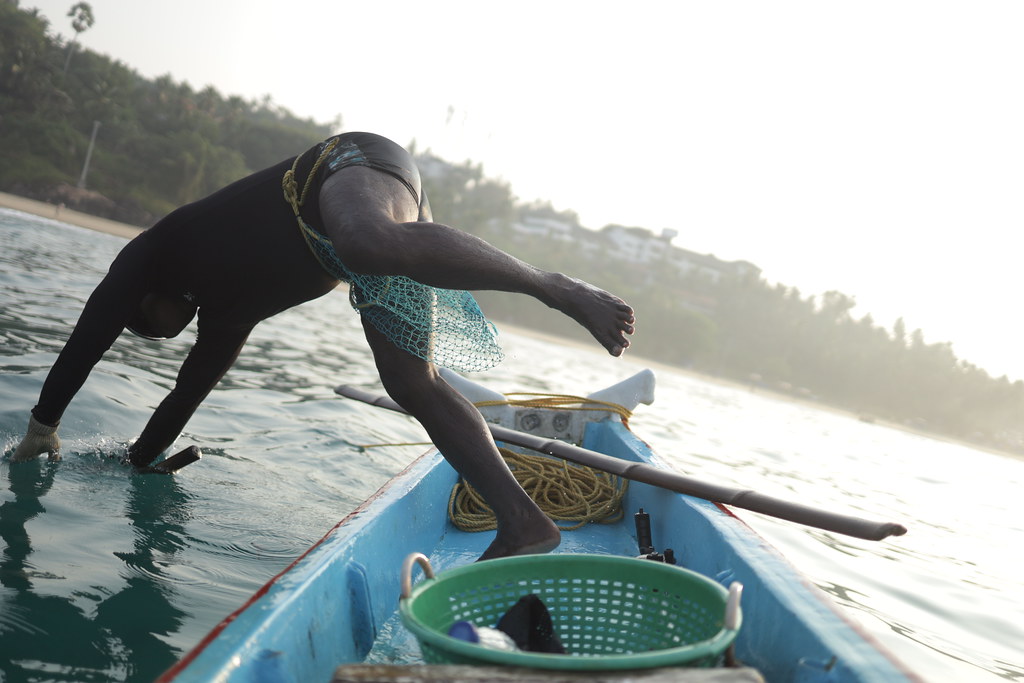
(609, 612)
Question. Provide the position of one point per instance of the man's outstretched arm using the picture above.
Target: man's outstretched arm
(211, 356)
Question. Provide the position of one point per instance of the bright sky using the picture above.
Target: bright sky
(872, 147)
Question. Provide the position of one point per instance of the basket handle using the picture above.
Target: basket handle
(412, 559)
(732, 605)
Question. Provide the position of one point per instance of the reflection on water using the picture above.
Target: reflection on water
(27, 486)
(99, 630)
(947, 596)
(125, 572)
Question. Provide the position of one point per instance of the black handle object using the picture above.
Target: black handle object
(643, 532)
(172, 464)
(648, 474)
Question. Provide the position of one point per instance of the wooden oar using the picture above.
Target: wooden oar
(655, 476)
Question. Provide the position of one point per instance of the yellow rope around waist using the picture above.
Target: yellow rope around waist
(289, 185)
(565, 492)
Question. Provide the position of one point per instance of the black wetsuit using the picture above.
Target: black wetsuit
(239, 256)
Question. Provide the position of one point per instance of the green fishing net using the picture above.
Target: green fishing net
(442, 326)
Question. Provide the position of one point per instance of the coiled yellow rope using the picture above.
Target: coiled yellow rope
(565, 492)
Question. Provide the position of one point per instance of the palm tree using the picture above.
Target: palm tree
(82, 18)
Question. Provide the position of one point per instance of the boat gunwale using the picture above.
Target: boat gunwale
(201, 647)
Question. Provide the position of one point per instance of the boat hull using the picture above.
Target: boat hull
(337, 604)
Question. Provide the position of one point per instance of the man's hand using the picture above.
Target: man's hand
(39, 439)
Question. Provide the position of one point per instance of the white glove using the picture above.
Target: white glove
(39, 439)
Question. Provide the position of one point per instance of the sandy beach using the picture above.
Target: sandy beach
(82, 220)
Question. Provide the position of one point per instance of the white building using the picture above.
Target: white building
(544, 227)
(638, 245)
(642, 247)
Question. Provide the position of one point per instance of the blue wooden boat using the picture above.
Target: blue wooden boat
(336, 605)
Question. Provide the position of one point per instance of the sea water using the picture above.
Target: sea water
(109, 575)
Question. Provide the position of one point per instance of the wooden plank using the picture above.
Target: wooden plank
(443, 673)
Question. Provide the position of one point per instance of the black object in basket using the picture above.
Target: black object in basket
(609, 612)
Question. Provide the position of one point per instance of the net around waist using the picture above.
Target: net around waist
(443, 326)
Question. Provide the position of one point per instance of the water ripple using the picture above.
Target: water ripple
(89, 544)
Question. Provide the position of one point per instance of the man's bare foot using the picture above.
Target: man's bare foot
(523, 540)
(607, 317)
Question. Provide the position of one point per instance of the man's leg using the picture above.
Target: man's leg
(371, 219)
(460, 433)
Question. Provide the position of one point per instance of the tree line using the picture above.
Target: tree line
(743, 328)
(161, 143)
